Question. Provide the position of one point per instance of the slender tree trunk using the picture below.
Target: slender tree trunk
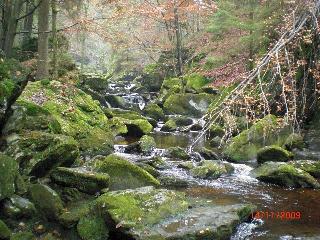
(28, 22)
(43, 36)
(178, 41)
(14, 12)
(54, 38)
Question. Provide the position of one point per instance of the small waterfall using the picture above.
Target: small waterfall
(135, 99)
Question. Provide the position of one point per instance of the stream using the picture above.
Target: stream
(238, 187)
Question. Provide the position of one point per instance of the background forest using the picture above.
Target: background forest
(159, 119)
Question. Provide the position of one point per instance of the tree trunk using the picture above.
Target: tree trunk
(54, 39)
(178, 41)
(13, 9)
(43, 36)
(28, 22)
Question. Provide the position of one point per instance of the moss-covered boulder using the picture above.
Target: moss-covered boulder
(46, 200)
(124, 174)
(154, 111)
(74, 212)
(208, 154)
(264, 132)
(77, 113)
(91, 227)
(38, 152)
(148, 213)
(85, 181)
(16, 207)
(169, 126)
(208, 169)
(311, 167)
(115, 101)
(178, 153)
(195, 82)
(194, 105)
(285, 175)
(273, 154)
(5, 232)
(294, 141)
(188, 165)
(144, 146)
(134, 127)
(8, 174)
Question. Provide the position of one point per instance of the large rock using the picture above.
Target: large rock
(273, 154)
(145, 146)
(77, 113)
(148, 213)
(244, 146)
(38, 152)
(188, 104)
(208, 169)
(5, 232)
(178, 153)
(8, 174)
(91, 227)
(154, 111)
(46, 200)
(124, 174)
(311, 167)
(284, 174)
(85, 181)
(16, 207)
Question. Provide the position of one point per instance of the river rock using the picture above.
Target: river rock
(5, 232)
(178, 153)
(74, 212)
(294, 141)
(8, 174)
(145, 146)
(154, 111)
(244, 146)
(39, 152)
(208, 154)
(85, 181)
(149, 213)
(311, 167)
(274, 154)
(284, 174)
(16, 207)
(91, 227)
(169, 126)
(194, 105)
(124, 174)
(208, 169)
(46, 200)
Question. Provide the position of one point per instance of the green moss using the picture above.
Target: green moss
(284, 175)
(293, 141)
(147, 144)
(17, 207)
(186, 165)
(92, 227)
(273, 153)
(84, 181)
(154, 111)
(8, 174)
(216, 130)
(39, 152)
(46, 200)
(124, 174)
(244, 146)
(137, 127)
(170, 82)
(178, 153)
(72, 215)
(5, 232)
(169, 126)
(188, 104)
(311, 167)
(209, 170)
(195, 81)
(23, 236)
(142, 207)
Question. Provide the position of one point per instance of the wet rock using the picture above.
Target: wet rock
(16, 207)
(188, 104)
(92, 227)
(172, 181)
(124, 174)
(23, 236)
(8, 174)
(135, 127)
(208, 154)
(169, 126)
(284, 174)
(145, 146)
(183, 121)
(115, 101)
(311, 167)
(85, 181)
(46, 200)
(186, 165)
(5, 232)
(274, 154)
(150, 169)
(39, 152)
(178, 153)
(196, 127)
(149, 213)
(244, 146)
(210, 169)
(154, 111)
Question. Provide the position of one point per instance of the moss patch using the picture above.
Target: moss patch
(5, 232)
(8, 174)
(92, 227)
(274, 154)
(124, 174)
(154, 111)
